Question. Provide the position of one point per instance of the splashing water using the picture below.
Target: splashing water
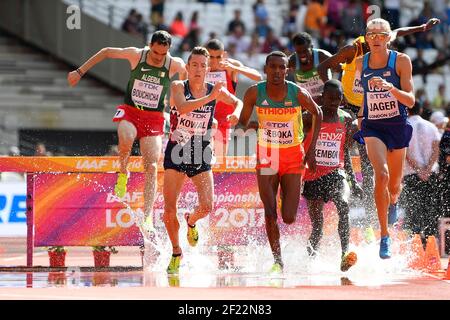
(199, 266)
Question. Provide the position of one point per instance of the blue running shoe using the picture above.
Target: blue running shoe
(392, 214)
(385, 247)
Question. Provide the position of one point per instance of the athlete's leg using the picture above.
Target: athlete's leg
(377, 152)
(367, 184)
(173, 182)
(204, 183)
(315, 214)
(151, 151)
(127, 134)
(340, 191)
(343, 210)
(268, 187)
(290, 193)
(395, 162)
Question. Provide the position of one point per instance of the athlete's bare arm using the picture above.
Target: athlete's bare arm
(229, 98)
(307, 122)
(236, 67)
(307, 102)
(131, 54)
(344, 55)
(358, 68)
(249, 104)
(401, 32)
(178, 66)
(186, 106)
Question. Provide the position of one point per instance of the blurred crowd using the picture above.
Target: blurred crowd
(331, 23)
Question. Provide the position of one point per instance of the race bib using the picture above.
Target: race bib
(313, 85)
(328, 151)
(146, 94)
(357, 85)
(216, 76)
(278, 132)
(190, 124)
(381, 105)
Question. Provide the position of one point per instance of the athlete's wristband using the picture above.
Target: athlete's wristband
(80, 72)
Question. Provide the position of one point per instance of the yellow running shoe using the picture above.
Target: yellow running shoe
(120, 189)
(192, 232)
(174, 280)
(369, 235)
(348, 260)
(277, 268)
(174, 264)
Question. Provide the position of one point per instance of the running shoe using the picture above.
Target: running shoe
(385, 247)
(277, 268)
(392, 214)
(192, 232)
(174, 280)
(348, 260)
(174, 264)
(369, 235)
(120, 189)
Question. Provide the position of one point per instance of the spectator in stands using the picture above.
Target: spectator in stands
(352, 19)
(422, 40)
(421, 67)
(439, 119)
(420, 171)
(232, 51)
(332, 42)
(290, 19)
(315, 18)
(191, 40)
(142, 27)
(421, 96)
(178, 28)
(130, 24)
(261, 16)
(236, 22)
(335, 11)
(238, 39)
(157, 13)
(40, 150)
(271, 43)
(161, 25)
(250, 57)
(419, 64)
(439, 102)
(391, 12)
(194, 21)
(300, 18)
